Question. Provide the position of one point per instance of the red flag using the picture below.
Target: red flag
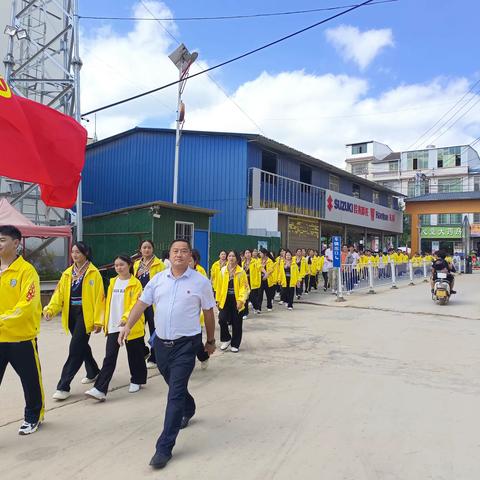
(41, 145)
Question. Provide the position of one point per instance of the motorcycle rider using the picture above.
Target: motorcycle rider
(440, 264)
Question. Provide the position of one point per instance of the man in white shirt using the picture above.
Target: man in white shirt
(328, 267)
(179, 294)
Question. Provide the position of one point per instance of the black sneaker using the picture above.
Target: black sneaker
(453, 291)
(185, 422)
(159, 460)
(27, 428)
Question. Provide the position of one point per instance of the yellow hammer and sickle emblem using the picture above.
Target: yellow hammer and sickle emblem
(4, 89)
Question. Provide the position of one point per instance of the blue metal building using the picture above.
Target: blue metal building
(246, 178)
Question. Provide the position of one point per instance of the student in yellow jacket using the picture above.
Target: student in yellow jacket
(254, 277)
(301, 262)
(20, 313)
(202, 355)
(216, 267)
(232, 295)
(123, 292)
(268, 281)
(81, 299)
(289, 277)
(145, 269)
(276, 272)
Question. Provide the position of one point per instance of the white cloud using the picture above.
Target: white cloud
(316, 114)
(357, 46)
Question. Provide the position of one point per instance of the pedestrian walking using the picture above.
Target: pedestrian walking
(179, 294)
(254, 277)
(145, 269)
(123, 292)
(267, 286)
(81, 299)
(299, 259)
(289, 279)
(20, 314)
(232, 295)
(216, 267)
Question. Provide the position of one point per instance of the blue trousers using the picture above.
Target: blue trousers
(175, 361)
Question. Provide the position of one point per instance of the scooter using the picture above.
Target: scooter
(441, 289)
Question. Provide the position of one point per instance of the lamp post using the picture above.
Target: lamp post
(182, 59)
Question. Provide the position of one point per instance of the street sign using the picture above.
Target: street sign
(337, 251)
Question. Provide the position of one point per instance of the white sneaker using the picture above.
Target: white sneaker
(133, 388)
(245, 317)
(224, 345)
(234, 349)
(61, 395)
(87, 380)
(204, 364)
(290, 308)
(280, 302)
(96, 394)
(151, 365)
(27, 428)
(269, 309)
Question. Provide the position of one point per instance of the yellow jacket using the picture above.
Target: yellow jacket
(156, 267)
(303, 266)
(215, 274)
(93, 298)
(320, 262)
(294, 275)
(240, 285)
(132, 294)
(255, 273)
(202, 271)
(271, 270)
(20, 307)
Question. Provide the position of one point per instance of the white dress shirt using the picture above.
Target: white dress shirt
(178, 302)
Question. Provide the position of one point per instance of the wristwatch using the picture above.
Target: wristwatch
(211, 342)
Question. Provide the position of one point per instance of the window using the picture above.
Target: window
(392, 184)
(425, 220)
(389, 201)
(449, 218)
(269, 162)
(418, 186)
(476, 218)
(393, 166)
(417, 160)
(184, 231)
(375, 197)
(360, 168)
(359, 148)
(355, 190)
(449, 157)
(305, 174)
(446, 185)
(334, 183)
(476, 184)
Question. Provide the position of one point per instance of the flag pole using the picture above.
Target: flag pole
(77, 65)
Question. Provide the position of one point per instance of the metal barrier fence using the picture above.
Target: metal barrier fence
(366, 277)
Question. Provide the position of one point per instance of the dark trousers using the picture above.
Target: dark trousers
(325, 280)
(254, 293)
(312, 282)
(202, 355)
(230, 315)
(288, 294)
(269, 293)
(136, 362)
(78, 352)
(23, 357)
(299, 289)
(150, 321)
(175, 361)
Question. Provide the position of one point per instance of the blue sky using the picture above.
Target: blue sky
(423, 64)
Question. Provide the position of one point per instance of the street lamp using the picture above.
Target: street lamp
(20, 33)
(182, 59)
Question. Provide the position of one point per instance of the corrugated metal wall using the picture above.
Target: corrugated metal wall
(138, 168)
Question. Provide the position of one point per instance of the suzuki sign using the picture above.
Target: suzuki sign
(341, 208)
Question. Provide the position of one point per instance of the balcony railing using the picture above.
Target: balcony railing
(268, 190)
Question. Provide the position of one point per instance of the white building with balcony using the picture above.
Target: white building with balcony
(419, 172)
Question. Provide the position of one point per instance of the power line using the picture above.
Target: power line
(239, 57)
(209, 76)
(232, 17)
(444, 115)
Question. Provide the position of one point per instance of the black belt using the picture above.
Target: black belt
(177, 341)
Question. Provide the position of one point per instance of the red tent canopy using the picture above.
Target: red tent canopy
(10, 216)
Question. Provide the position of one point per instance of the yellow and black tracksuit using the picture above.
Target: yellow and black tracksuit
(303, 272)
(20, 313)
(254, 278)
(157, 266)
(268, 283)
(83, 306)
(134, 344)
(288, 278)
(229, 292)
